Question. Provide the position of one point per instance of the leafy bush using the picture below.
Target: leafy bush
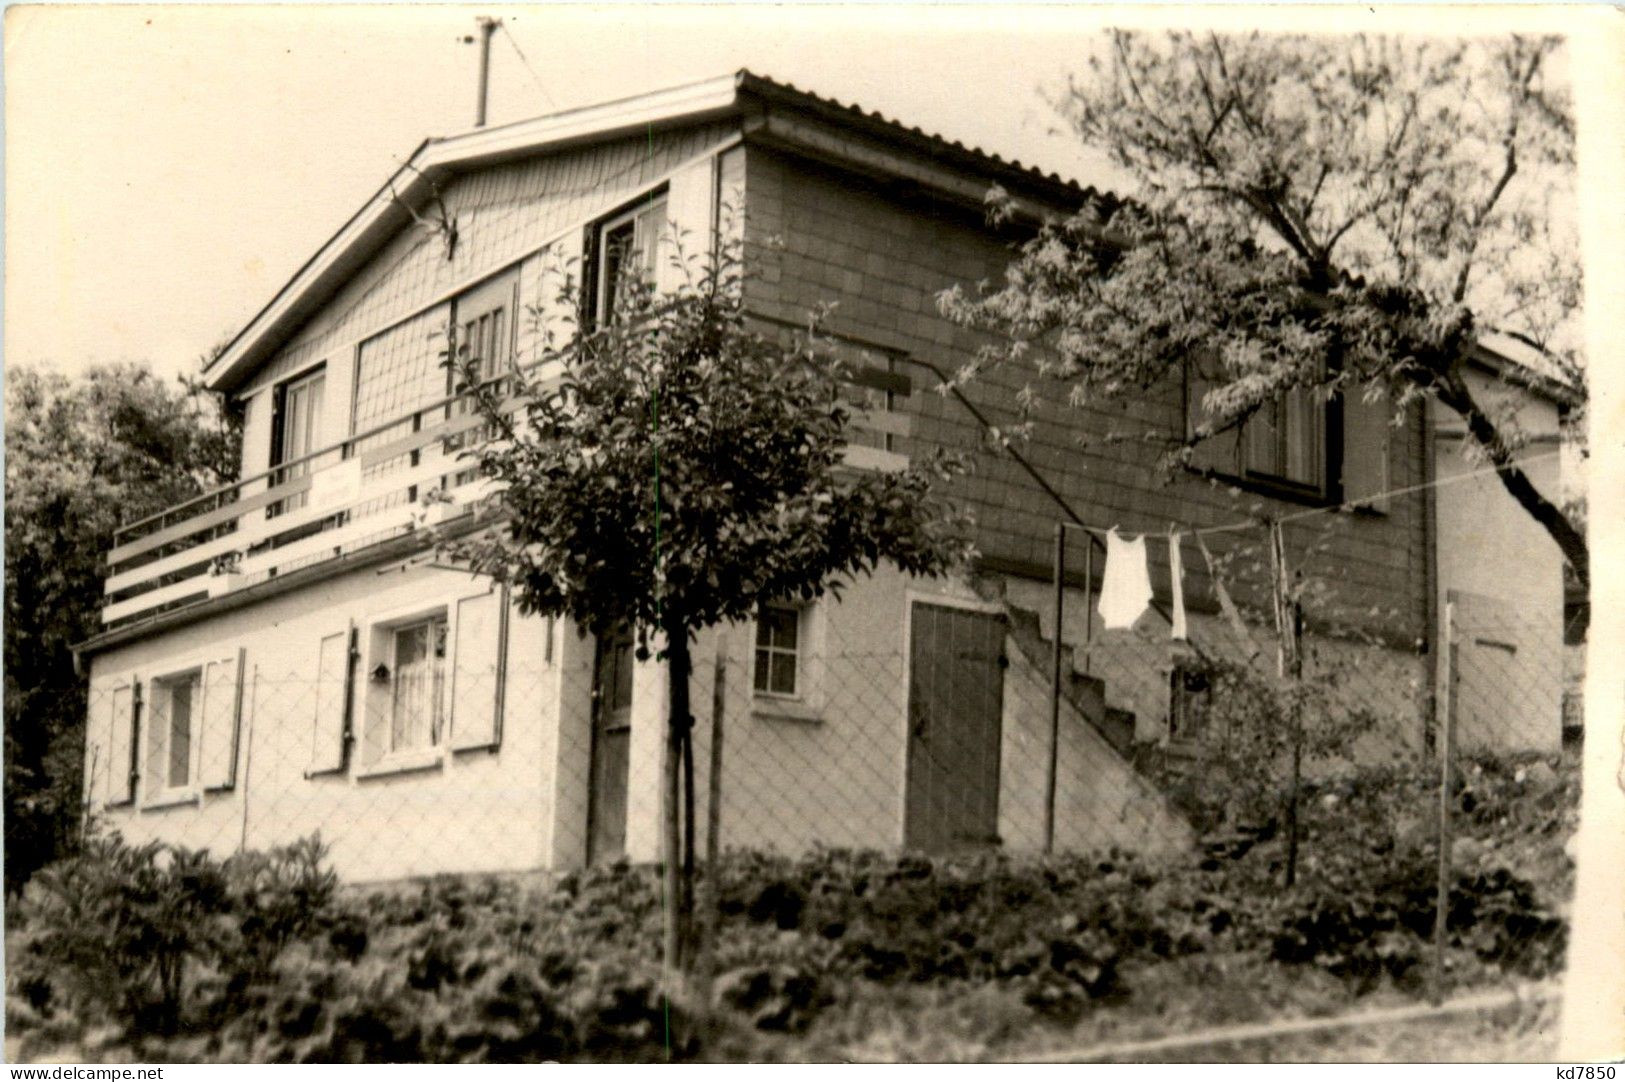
(113, 930)
(119, 933)
(276, 896)
(1362, 934)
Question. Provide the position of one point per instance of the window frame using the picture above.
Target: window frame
(797, 652)
(1326, 490)
(161, 792)
(278, 456)
(438, 696)
(1183, 703)
(599, 305)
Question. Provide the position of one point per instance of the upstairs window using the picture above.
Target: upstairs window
(1281, 448)
(485, 321)
(296, 424)
(1285, 441)
(872, 394)
(626, 250)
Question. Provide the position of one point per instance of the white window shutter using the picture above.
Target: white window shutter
(121, 755)
(477, 676)
(222, 720)
(330, 734)
(1366, 431)
(690, 222)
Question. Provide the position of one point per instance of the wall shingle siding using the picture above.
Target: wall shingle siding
(883, 262)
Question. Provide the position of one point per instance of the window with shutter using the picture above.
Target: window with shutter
(172, 735)
(418, 685)
(479, 660)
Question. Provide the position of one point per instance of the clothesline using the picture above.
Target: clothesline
(1407, 490)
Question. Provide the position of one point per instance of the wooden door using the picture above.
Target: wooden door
(955, 708)
(611, 748)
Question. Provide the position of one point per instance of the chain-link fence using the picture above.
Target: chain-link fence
(1280, 790)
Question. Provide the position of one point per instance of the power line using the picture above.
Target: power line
(537, 79)
(1407, 490)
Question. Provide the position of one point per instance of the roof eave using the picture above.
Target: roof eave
(433, 163)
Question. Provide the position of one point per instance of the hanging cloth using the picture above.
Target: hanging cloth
(1231, 613)
(1176, 575)
(1125, 587)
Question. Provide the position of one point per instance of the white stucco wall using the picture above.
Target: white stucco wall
(473, 811)
(1509, 575)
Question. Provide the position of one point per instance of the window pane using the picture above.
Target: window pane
(617, 246)
(780, 627)
(763, 659)
(180, 732)
(1263, 441)
(411, 680)
(783, 680)
(1301, 442)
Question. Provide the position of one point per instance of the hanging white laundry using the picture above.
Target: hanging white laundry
(1227, 606)
(1176, 573)
(1125, 587)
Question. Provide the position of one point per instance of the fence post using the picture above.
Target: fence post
(1055, 689)
(1088, 600)
(1447, 689)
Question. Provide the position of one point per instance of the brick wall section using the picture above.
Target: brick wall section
(884, 260)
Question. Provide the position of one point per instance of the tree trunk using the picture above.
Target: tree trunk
(1453, 391)
(677, 725)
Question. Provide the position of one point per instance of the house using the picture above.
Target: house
(285, 655)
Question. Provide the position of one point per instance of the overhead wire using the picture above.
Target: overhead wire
(523, 59)
(1406, 490)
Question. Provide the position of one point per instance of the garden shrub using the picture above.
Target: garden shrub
(118, 934)
(113, 930)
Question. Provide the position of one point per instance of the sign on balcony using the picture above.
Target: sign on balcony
(336, 485)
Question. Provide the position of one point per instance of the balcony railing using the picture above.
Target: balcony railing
(362, 491)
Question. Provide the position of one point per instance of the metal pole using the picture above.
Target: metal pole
(1055, 689)
(488, 26)
(1447, 689)
(1088, 599)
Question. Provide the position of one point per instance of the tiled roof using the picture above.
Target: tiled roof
(767, 86)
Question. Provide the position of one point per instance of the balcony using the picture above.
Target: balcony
(361, 492)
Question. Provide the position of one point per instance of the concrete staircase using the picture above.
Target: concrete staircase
(1086, 693)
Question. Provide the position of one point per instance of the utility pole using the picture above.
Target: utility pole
(488, 26)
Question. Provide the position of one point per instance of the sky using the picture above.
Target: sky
(170, 167)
